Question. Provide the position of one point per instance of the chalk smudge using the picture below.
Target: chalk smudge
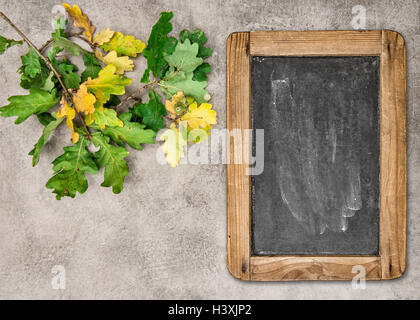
(314, 186)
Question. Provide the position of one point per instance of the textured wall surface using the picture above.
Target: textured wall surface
(164, 236)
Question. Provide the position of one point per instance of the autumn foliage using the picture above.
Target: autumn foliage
(91, 102)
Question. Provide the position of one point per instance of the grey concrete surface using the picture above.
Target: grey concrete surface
(164, 236)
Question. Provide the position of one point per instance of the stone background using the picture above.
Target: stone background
(164, 236)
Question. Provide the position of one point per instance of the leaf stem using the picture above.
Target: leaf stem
(133, 95)
(47, 62)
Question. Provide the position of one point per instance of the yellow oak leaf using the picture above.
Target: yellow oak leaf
(174, 145)
(84, 101)
(66, 110)
(201, 116)
(121, 63)
(99, 55)
(80, 20)
(175, 105)
(103, 37)
(124, 45)
(198, 135)
(107, 83)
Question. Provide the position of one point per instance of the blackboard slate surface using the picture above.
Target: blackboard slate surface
(319, 191)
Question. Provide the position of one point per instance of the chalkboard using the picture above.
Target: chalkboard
(319, 191)
(328, 199)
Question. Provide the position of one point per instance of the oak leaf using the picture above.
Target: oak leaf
(151, 112)
(122, 64)
(67, 71)
(37, 102)
(84, 101)
(132, 133)
(124, 45)
(103, 37)
(66, 44)
(107, 83)
(104, 117)
(40, 81)
(158, 46)
(176, 81)
(197, 37)
(177, 105)
(80, 20)
(200, 117)
(175, 142)
(184, 58)
(31, 63)
(51, 122)
(93, 67)
(70, 169)
(200, 74)
(112, 158)
(66, 111)
(7, 43)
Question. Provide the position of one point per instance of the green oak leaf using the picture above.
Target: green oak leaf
(38, 101)
(8, 43)
(151, 112)
(70, 168)
(184, 58)
(197, 37)
(200, 74)
(45, 118)
(46, 133)
(66, 44)
(53, 53)
(92, 67)
(44, 80)
(176, 81)
(106, 117)
(40, 80)
(49, 83)
(158, 46)
(133, 133)
(112, 158)
(67, 71)
(31, 63)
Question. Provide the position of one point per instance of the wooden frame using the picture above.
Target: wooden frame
(390, 46)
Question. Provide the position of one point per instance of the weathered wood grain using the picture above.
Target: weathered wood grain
(239, 184)
(393, 156)
(315, 43)
(293, 268)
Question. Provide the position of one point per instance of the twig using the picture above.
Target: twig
(79, 36)
(133, 95)
(170, 118)
(46, 44)
(48, 63)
